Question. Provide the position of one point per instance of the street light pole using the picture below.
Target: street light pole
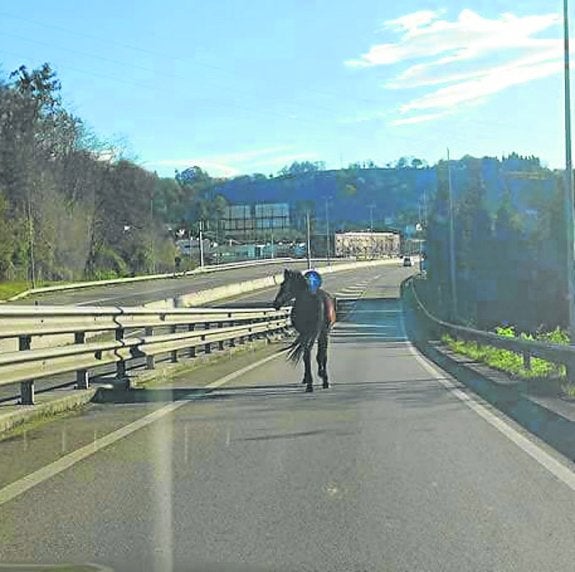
(451, 242)
(201, 244)
(31, 241)
(190, 237)
(371, 239)
(308, 241)
(569, 211)
(152, 242)
(327, 248)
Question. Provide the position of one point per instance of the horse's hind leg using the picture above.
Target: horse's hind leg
(322, 358)
(307, 378)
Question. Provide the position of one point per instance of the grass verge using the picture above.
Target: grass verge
(512, 364)
(9, 289)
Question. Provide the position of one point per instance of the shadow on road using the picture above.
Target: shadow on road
(284, 397)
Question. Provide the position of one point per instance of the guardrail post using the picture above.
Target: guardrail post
(150, 360)
(262, 335)
(208, 346)
(82, 381)
(221, 344)
(26, 387)
(241, 337)
(268, 333)
(174, 354)
(192, 350)
(527, 361)
(232, 340)
(121, 365)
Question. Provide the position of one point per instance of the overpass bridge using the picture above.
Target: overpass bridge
(398, 467)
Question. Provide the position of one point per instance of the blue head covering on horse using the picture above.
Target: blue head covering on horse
(313, 279)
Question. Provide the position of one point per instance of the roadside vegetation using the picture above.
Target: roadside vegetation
(509, 244)
(512, 363)
(73, 206)
(9, 289)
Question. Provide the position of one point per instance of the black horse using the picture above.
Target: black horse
(312, 315)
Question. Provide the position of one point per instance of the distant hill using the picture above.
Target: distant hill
(395, 193)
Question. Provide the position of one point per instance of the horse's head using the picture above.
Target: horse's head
(294, 282)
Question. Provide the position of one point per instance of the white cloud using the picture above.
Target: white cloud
(282, 160)
(413, 21)
(467, 37)
(242, 156)
(214, 168)
(419, 118)
(472, 56)
(364, 117)
(423, 75)
(232, 164)
(487, 84)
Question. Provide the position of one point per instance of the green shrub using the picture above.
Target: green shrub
(510, 362)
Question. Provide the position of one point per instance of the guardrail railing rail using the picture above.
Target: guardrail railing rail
(103, 336)
(554, 353)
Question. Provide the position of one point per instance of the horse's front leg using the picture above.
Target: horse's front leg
(307, 378)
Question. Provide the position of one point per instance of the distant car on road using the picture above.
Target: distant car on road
(407, 261)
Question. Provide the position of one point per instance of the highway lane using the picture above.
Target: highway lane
(344, 284)
(388, 470)
(137, 293)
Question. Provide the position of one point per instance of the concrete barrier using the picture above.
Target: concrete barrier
(199, 270)
(232, 290)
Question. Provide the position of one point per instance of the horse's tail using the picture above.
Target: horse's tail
(306, 339)
(303, 342)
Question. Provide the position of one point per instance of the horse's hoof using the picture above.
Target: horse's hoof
(325, 385)
(309, 389)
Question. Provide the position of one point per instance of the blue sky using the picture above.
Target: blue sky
(243, 86)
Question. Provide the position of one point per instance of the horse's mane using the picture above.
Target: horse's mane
(298, 276)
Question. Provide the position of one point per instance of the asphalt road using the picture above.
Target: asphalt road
(393, 468)
(137, 293)
(345, 285)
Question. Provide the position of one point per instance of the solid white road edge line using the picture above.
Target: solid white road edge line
(24, 484)
(559, 470)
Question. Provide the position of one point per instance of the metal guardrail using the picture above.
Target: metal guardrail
(152, 332)
(137, 332)
(554, 353)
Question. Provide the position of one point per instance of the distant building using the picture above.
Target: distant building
(367, 244)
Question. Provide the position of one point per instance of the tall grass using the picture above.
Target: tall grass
(510, 362)
(9, 289)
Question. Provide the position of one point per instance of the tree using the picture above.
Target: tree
(298, 168)
(67, 197)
